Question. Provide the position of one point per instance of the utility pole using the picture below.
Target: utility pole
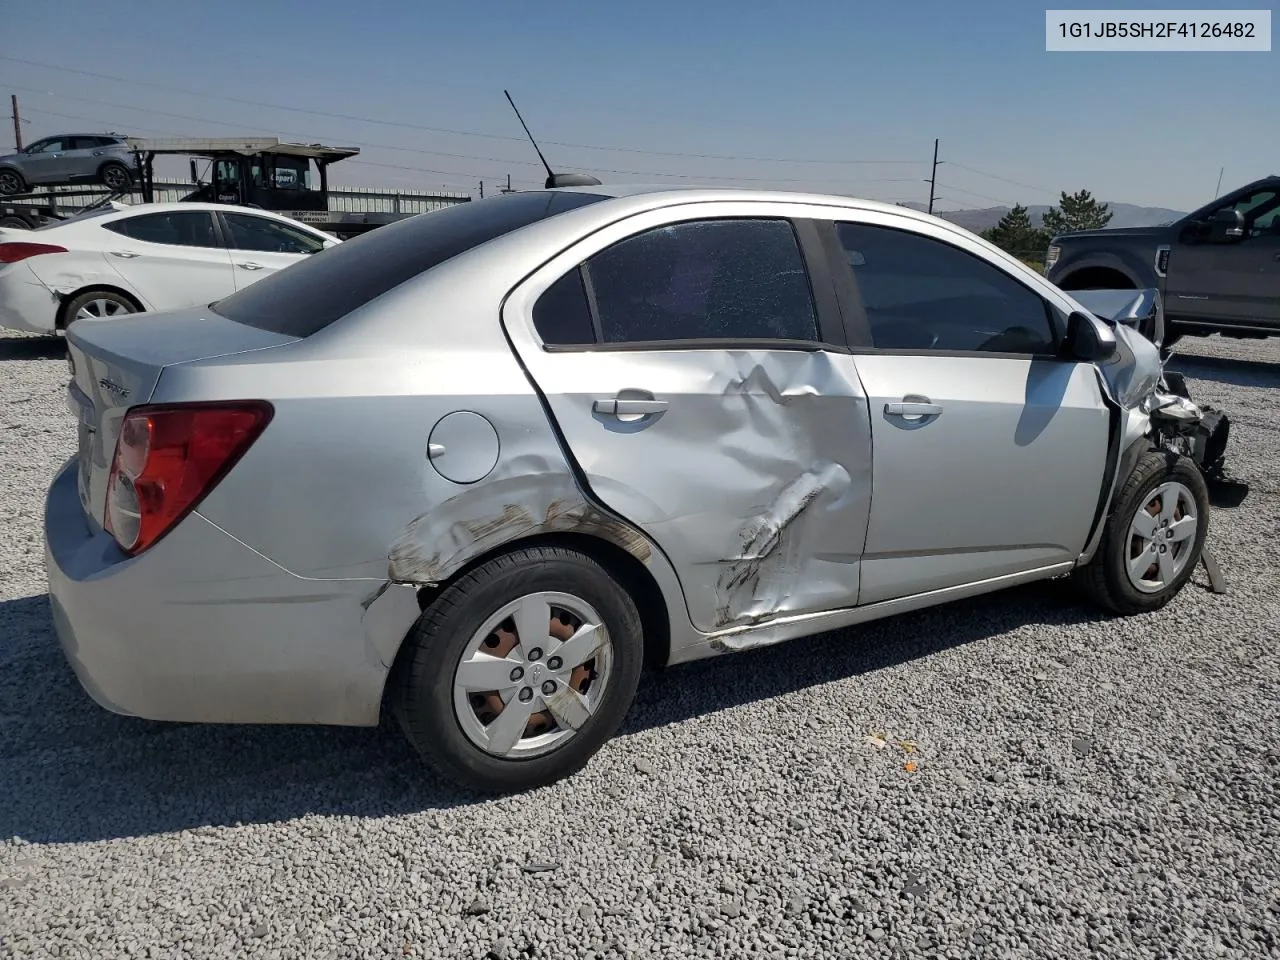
(933, 176)
(481, 189)
(17, 122)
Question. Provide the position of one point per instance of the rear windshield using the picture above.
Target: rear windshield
(315, 292)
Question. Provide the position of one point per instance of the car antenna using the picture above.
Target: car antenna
(553, 179)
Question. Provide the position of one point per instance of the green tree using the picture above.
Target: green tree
(1015, 234)
(1078, 211)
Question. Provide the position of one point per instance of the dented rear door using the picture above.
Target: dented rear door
(685, 367)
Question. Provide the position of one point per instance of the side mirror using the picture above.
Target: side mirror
(1089, 339)
(1227, 226)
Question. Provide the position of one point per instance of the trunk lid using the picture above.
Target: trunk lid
(115, 365)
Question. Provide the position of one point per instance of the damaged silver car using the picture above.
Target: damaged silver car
(486, 462)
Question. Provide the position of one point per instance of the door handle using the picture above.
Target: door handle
(123, 254)
(912, 408)
(625, 408)
(1276, 257)
(250, 265)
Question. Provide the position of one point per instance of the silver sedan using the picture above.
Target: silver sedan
(485, 463)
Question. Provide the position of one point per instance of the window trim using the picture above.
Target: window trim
(830, 329)
(858, 327)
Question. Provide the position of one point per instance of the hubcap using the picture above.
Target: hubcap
(532, 675)
(114, 177)
(1161, 537)
(9, 182)
(98, 309)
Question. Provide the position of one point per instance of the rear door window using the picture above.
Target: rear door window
(315, 292)
(710, 280)
(562, 315)
(178, 228)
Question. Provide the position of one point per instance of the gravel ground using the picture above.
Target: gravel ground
(1071, 785)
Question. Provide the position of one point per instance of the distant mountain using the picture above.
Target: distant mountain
(1124, 215)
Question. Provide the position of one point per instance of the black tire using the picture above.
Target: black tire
(1105, 579)
(115, 176)
(14, 223)
(74, 305)
(422, 684)
(11, 183)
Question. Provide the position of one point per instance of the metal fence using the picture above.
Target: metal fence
(341, 199)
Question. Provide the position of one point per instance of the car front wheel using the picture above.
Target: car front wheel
(116, 176)
(11, 183)
(1153, 538)
(517, 673)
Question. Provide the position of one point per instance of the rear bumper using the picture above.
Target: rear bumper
(25, 302)
(200, 628)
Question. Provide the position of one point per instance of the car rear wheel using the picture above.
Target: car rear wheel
(11, 183)
(1153, 538)
(517, 673)
(115, 176)
(97, 305)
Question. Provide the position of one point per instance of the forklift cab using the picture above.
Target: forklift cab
(269, 182)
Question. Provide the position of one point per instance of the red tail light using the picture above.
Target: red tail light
(13, 252)
(168, 458)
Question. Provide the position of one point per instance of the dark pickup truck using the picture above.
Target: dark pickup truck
(1217, 269)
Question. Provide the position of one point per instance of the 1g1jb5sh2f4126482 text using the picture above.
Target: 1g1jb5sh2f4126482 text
(1158, 30)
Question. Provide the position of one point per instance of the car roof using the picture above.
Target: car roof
(59, 136)
(163, 206)
(666, 194)
(118, 210)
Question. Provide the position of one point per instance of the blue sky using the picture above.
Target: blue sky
(665, 80)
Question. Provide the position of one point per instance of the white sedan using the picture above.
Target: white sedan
(144, 257)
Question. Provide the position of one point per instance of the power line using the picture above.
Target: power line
(389, 166)
(1016, 183)
(97, 121)
(983, 196)
(283, 133)
(469, 175)
(171, 133)
(473, 175)
(464, 133)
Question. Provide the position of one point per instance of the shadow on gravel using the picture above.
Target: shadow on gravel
(1240, 373)
(691, 690)
(1228, 493)
(74, 772)
(32, 348)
